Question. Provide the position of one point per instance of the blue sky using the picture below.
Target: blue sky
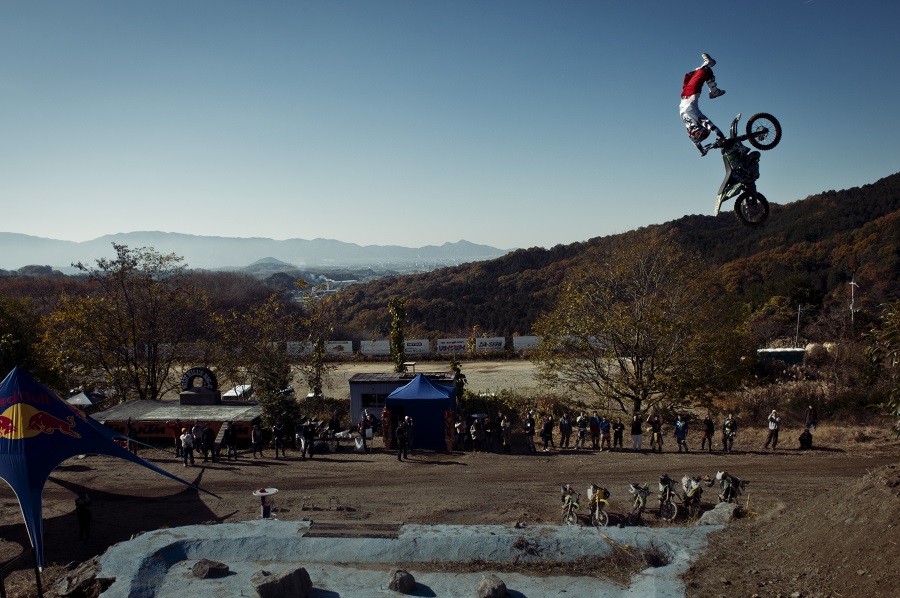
(508, 123)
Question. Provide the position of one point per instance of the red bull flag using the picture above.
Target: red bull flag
(38, 431)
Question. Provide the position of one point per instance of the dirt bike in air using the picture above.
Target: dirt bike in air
(763, 132)
(569, 505)
(598, 498)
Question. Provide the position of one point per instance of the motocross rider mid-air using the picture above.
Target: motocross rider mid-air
(698, 125)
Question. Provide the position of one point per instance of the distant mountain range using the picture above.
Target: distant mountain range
(210, 253)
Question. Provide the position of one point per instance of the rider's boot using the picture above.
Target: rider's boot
(714, 90)
(708, 60)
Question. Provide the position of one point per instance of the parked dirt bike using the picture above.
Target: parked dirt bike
(598, 499)
(640, 492)
(693, 493)
(569, 505)
(668, 509)
(742, 167)
(732, 487)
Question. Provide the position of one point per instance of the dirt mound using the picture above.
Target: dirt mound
(843, 542)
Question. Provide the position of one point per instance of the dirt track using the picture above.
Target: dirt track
(454, 488)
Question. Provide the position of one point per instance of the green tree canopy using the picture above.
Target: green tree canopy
(131, 331)
(636, 327)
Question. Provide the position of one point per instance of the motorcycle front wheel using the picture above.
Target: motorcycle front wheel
(694, 509)
(764, 131)
(635, 516)
(599, 518)
(570, 518)
(751, 208)
(668, 511)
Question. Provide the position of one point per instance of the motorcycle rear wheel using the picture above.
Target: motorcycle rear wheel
(668, 511)
(764, 131)
(751, 208)
(599, 518)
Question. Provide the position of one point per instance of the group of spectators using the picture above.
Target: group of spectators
(596, 432)
(483, 433)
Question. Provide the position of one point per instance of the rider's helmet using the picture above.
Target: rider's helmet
(697, 133)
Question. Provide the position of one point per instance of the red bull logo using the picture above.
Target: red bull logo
(24, 421)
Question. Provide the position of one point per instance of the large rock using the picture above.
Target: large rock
(722, 514)
(491, 586)
(205, 569)
(402, 581)
(83, 582)
(293, 583)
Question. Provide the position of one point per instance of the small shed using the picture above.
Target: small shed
(370, 390)
(427, 403)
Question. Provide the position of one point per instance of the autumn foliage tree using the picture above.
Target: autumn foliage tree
(636, 328)
(129, 333)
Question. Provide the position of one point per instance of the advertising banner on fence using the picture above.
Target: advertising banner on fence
(339, 347)
(375, 347)
(452, 345)
(299, 348)
(417, 347)
(490, 344)
(525, 343)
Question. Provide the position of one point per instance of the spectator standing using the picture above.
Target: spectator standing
(637, 432)
(307, 438)
(656, 438)
(595, 430)
(460, 429)
(175, 426)
(187, 446)
(229, 439)
(774, 426)
(132, 435)
(582, 423)
(197, 433)
(402, 435)
(84, 516)
(498, 428)
(411, 430)
(506, 427)
(209, 442)
(618, 433)
(605, 434)
(709, 428)
(681, 430)
(565, 431)
(278, 437)
(528, 428)
(477, 435)
(256, 441)
(812, 418)
(547, 433)
(488, 429)
(729, 431)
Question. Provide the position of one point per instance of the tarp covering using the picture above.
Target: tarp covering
(38, 431)
(426, 402)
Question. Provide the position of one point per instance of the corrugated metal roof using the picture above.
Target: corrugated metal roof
(172, 410)
(403, 378)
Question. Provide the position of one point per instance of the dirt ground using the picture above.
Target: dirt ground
(822, 523)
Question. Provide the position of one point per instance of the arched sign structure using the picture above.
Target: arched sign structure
(209, 379)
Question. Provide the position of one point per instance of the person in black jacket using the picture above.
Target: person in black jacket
(229, 439)
(209, 442)
(709, 428)
(402, 435)
(637, 432)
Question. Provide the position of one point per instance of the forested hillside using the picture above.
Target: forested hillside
(808, 252)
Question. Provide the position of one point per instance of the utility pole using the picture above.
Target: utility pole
(853, 287)
(797, 332)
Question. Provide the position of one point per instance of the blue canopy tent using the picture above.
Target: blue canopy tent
(425, 402)
(38, 431)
